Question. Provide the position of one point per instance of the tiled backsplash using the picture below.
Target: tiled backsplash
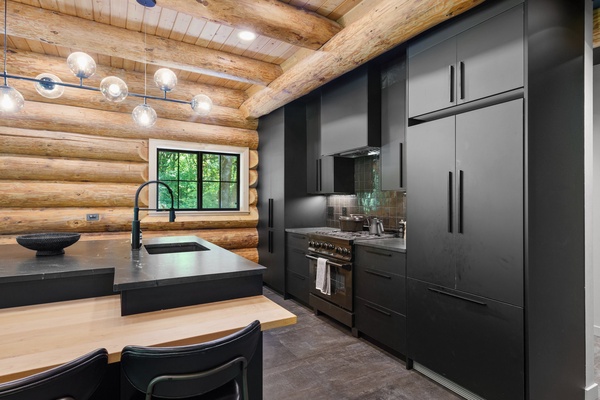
(370, 200)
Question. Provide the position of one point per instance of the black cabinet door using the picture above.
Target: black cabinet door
(313, 145)
(431, 177)
(489, 188)
(393, 125)
(475, 342)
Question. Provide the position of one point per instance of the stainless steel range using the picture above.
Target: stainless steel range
(337, 249)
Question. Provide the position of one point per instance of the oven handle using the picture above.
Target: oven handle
(330, 262)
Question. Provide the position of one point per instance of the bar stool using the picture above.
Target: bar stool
(75, 380)
(211, 370)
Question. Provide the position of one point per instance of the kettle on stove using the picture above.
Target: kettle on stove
(376, 226)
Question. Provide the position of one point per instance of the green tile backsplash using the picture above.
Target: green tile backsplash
(370, 200)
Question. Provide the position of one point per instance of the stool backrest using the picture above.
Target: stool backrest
(77, 379)
(181, 372)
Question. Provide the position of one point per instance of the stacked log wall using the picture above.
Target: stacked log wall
(60, 162)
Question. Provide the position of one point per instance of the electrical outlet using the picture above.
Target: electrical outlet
(92, 217)
(344, 211)
(329, 212)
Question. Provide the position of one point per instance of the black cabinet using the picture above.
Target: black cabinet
(297, 276)
(479, 62)
(380, 296)
(325, 174)
(393, 124)
(351, 113)
(473, 341)
(466, 202)
(282, 199)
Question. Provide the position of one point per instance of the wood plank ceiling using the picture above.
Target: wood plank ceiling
(301, 44)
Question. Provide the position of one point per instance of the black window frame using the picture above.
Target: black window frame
(199, 181)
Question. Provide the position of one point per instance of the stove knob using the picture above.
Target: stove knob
(345, 252)
(311, 243)
(338, 250)
(330, 246)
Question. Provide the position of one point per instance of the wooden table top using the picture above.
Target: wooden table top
(38, 337)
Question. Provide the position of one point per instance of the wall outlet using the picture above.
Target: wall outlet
(92, 217)
(329, 212)
(344, 211)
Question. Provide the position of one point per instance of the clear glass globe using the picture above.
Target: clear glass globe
(165, 79)
(10, 100)
(47, 87)
(81, 64)
(201, 104)
(144, 116)
(113, 89)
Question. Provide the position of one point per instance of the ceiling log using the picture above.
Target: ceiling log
(596, 33)
(385, 26)
(270, 18)
(72, 32)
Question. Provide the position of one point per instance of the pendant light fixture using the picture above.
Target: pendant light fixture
(10, 98)
(113, 89)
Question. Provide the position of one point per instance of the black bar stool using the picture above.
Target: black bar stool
(75, 380)
(211, 370)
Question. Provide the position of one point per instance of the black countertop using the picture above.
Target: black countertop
(132, 269)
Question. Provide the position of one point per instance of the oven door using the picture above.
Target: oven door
(341, 281)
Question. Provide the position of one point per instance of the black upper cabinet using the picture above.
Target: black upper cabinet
(466, 202)
(479, 62)
(282, 199)
(351, 113)
(325, 174)
(393, 124)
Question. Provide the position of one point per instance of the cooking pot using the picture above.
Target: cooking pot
(352, 223)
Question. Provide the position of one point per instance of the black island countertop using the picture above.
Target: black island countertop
(92, 264)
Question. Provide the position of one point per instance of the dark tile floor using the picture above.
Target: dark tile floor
(320, 359)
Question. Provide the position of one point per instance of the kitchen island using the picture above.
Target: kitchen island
(169, 278)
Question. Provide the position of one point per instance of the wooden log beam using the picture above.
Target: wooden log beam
(596, 34)
(161, 223)
(61, 144)
(252, 197)
(253, 162)
(60, 169)
(383, 27)
(270, 18)
(33, 194)
(30, 64)
(249, 254)
(117, 219)
(253, 178)
(44, 116)
(78, 33)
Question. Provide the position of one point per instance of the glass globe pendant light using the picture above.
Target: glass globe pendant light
(10, 98)
(81, 64)
(47, 87)
(201, 104)
(113, 89)
(165, 79)
(144, 116)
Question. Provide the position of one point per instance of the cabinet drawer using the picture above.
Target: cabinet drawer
(295, 260)
(297, 285)
(382, 260)
(296, 240)
(381, 287)
(476, 342)
(381, 324)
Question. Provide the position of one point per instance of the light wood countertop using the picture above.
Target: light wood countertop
(38, 337)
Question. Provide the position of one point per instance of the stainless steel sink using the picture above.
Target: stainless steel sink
(167, 248)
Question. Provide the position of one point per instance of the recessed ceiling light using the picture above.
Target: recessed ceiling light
(247, 35)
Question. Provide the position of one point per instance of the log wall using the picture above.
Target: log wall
(60, 162)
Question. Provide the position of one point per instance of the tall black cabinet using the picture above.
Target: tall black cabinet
(282, 199)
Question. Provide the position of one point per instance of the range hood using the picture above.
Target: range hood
(351, 114)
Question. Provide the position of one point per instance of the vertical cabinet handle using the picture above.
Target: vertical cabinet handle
(270, 242)
(460, 200)
(320, 174)
(401, 157)
(270, 213)
(317, 175)
(462, 80)
(450, 202)
(451, 81)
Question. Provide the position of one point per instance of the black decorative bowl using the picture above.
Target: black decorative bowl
(48, 244)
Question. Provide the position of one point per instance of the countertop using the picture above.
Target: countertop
(391, 244)
(133, 269)
(38, 337)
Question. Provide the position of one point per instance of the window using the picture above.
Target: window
(203, 178)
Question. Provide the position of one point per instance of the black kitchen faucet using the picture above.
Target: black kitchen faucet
(136, 241)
